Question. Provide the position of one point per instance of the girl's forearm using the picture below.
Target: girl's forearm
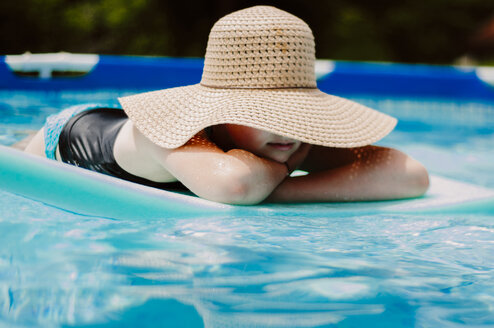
(234, 177)
(388, 174)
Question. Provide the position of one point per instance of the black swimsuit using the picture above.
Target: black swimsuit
(87, 141)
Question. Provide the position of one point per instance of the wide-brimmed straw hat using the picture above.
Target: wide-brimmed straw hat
(258, 72)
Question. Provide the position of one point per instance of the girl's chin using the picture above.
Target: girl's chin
(281, 158)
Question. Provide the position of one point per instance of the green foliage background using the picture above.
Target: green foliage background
(434, 31)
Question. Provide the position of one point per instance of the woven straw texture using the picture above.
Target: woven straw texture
(258, 72)
(271, 49)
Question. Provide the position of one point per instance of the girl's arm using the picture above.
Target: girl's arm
(234, 177)
(360, 174)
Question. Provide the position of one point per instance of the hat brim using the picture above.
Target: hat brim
(170, 117)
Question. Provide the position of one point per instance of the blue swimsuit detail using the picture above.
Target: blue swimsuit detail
(86, 134)
(55, 123)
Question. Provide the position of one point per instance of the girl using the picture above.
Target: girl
(235, 137)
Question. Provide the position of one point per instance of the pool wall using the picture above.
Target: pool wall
(335, 77)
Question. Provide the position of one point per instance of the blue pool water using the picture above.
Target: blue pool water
(60, 269)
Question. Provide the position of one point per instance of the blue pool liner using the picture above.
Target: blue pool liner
(345, 78)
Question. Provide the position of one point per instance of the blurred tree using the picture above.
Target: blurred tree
(434, 31)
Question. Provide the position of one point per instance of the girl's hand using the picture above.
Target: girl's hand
(297, 157)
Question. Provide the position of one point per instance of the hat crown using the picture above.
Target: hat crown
(260, 47)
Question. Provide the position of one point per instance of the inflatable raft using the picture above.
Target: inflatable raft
(89, 193)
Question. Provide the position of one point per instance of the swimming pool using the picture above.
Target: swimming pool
(389, 270)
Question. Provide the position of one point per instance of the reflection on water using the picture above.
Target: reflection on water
(24, 111)
(62, 269)
(58, 268)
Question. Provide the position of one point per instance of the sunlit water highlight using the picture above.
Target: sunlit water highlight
(63, 269)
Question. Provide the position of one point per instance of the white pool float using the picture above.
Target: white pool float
(89, 193)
